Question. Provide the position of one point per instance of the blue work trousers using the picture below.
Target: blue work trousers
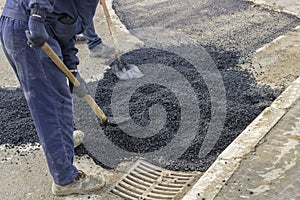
(47, 94)
(91, 36)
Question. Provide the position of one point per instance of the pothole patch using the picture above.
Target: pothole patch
(145, 181)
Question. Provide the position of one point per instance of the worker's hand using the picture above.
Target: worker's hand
(37, 34)
(82, 90)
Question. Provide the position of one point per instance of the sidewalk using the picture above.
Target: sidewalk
(272, 170)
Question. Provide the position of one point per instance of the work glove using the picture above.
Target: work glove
(37, 34)
(82, 90)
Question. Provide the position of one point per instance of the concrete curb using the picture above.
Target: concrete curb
(282, 37)
(212, 181)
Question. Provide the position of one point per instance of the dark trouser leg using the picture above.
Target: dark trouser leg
(91, 36)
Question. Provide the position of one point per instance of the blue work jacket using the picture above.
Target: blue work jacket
(80, 11)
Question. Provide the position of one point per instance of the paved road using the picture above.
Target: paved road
(230, 30)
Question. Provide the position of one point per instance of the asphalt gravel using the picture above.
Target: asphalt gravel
(245, 100)
(16, 123)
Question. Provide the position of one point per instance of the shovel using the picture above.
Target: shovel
(89, 99)
(122, 70)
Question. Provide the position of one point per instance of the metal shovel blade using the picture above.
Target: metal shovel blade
(127, 71)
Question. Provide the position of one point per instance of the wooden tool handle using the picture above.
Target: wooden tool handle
(59, 63)
(111, 27)
(88, 98)
(49, 51)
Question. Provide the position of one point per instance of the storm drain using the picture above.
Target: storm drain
(145, 181)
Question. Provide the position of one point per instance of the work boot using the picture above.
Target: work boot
(82, 184)
(101, 50)
(78, 137)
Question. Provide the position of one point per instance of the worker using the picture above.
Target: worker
(25, 26)
(95, 44)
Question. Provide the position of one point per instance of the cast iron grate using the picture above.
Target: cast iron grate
(145, 181)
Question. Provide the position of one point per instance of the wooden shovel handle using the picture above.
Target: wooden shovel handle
(59, 63)
(89, 99)
(111, 28)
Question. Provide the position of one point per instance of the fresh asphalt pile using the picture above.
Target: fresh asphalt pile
(229, 31)
(245, 100)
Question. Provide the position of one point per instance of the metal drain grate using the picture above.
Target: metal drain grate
(145, 181)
